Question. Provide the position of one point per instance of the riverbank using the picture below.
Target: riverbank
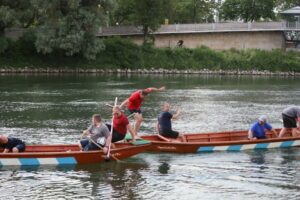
(123, 56)
(145, 71)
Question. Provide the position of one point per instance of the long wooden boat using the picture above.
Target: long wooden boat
(219, 141)
(67, 154)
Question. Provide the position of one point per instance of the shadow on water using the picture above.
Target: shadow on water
(120, 179)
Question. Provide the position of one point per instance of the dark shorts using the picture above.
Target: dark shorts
(170, 134)
(115, 135)
(262, 137)
(21, 147)
(88, 146)
(289, 122)
(135, 111)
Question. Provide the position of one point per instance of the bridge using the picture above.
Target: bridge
(261, 35)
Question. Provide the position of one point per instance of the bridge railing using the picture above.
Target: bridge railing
(213, 27)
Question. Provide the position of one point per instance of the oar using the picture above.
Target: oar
(111, 132)
(95, 143)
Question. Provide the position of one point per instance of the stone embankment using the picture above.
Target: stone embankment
(148, 71)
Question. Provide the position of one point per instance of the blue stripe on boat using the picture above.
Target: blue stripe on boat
(66, 160)
(29, 161)
(234, 148)
(261, 146)
(287, 143)
(205, 149)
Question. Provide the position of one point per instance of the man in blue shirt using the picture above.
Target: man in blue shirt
(11, 144)
(164, 124)
(258, 129)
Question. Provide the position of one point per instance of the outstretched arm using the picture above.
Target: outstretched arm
(156, 89)
(124, 103)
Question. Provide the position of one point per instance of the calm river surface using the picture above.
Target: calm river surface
(54, 109)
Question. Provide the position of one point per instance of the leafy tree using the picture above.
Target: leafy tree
(148, 14)
(70, 26)
(247, 10)
(287, 4)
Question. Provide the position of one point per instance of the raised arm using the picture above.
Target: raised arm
(176, 115)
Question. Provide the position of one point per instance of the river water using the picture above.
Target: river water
(55, 109)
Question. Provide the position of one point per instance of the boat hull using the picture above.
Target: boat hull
(222, 141)
(67, 154)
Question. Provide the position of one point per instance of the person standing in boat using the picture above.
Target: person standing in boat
(259, 128)
(120, 126)
(290, 117)
(100, 136)
(164, 123)
(11, 144)
(134, 102)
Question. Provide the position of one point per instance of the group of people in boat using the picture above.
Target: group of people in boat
(101, 136)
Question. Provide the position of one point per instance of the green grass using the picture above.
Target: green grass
(124, 54)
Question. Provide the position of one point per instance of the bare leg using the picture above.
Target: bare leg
(282, 132)
(182, 138)
(138, 120)
(295, 132)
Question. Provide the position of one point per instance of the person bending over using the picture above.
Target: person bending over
(259, 128)
(11, 144)
(290, 117)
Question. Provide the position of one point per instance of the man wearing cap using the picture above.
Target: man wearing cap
(134, 105)
(290, 117)
(259, 128)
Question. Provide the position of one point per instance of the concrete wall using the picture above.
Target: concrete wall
(267, 40)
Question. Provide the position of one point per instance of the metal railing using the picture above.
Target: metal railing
(193, 28)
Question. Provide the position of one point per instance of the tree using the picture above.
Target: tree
(7, 19)
(70, 26)
(148, 14)
(247, 10)
(287, 4)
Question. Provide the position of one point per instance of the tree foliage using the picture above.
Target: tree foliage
(71, 26)
(247, 10)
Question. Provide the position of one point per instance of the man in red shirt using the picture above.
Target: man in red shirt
(120, 126)
(134, 105)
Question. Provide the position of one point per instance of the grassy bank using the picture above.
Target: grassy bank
(123, 54)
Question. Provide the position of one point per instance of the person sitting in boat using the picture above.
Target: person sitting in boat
(164, 124)
(11, 144)
(259, 128)
(120, 126)
(99, 136)
(290, 117)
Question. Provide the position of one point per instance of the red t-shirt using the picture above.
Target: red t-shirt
(120, 124)
(135, 100)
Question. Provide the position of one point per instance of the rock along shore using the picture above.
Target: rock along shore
(147, 71)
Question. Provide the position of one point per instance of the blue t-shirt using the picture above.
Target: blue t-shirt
(11, 143)
(260, 130)
(164, 120)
